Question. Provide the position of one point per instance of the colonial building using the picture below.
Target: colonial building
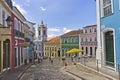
(32, 38)
(108, 27)
(42, 36)
(89, 40)
(26, 43)
(5, 35)
(69, 41)
(18, 37)
(52, 47)
(37, 47)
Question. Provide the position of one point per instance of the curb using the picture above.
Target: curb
(76, 75)
(103, 74)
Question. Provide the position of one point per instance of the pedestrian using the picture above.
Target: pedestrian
(38, 59)
(41, 58)
(78, 59)
(63, 59)
(52, 59)
(65, 65)
(72, 58)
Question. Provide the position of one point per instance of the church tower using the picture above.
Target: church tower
(42, 32)
(42, 37)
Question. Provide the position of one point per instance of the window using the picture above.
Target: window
(90, 31)
(15, 23)
(106, 7)
(85, 31)
(95, 30)
(3, 17)
(39, 32)
(119, 4)
(95, 38)
(81, 39)
(0, 15)
(44, 33)
(90, 39)
(19, 26)
(86, 40)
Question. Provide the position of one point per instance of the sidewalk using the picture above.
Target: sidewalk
(89, 71)
(14, 74)
(91, 64)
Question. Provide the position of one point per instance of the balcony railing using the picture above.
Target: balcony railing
(90, 43)
(5, 31)
(18, 33)
(27, 40)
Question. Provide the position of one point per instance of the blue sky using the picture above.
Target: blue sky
(60, 15)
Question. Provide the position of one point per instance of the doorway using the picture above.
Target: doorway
(91, 51)
(109, 48)
(6, 53)
(86, 50)
(0, 56)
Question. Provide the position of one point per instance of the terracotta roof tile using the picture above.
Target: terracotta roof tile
(73, 32)
(90, 26)
(54, 40)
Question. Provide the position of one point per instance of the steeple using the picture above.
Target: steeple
(42, 22)
(42, 32)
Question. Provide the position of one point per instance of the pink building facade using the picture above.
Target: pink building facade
(88, 40)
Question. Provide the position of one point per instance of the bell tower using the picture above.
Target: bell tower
(42, 32)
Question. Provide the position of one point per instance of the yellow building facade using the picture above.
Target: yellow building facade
(51, 47)
(5, 36)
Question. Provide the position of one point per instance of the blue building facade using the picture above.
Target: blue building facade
(31, 55)
(109, 26)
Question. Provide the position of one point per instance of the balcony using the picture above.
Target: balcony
(89, 43)
(5, 31)
(27, 40)
(18, 33)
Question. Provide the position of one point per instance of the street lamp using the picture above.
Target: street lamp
(9, 21)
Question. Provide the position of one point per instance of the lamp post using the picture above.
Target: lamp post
(6, 52)
(9, 21)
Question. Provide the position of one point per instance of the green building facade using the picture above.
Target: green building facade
(69, 41)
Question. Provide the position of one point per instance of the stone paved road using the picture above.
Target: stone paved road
(46, 71)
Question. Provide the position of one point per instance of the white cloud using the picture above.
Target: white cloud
(65, 30)
(20, 8)
(52, 32)
(43, 8)
(51, 35)
(54, 29)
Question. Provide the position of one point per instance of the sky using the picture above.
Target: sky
(60, 16)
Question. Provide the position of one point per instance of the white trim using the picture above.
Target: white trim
(17, 55)
(119, 4)
(101, 6)
(103, 50)
(112, 6)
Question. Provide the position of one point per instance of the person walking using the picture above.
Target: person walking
(63, 59)
(38, 59)
(52, 59)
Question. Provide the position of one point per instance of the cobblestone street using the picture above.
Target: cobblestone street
(46, 71)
